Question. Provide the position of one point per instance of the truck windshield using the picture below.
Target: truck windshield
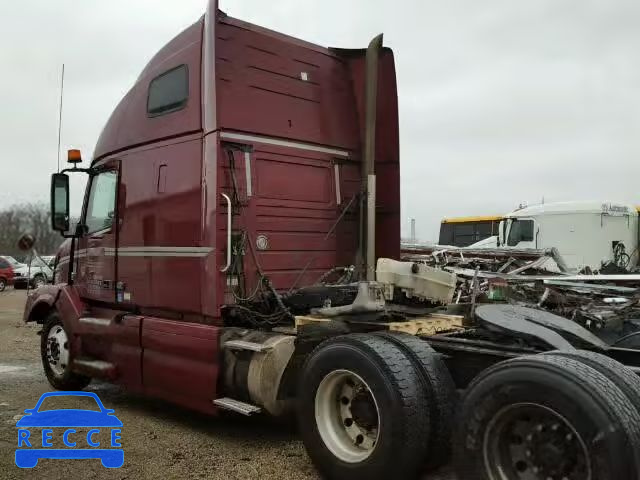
(520, 231)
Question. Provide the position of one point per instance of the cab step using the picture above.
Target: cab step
(244, 345)
(94, 368)
(236, 406)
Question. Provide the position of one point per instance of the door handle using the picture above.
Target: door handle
(226, 197)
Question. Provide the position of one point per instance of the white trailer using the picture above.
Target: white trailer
(587, 234)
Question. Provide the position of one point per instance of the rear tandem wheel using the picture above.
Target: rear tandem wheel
(441, 393)
(362, 411)
(544, 417)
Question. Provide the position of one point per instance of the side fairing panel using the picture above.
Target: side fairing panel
(271, 86)
(296, 115)
(295, 200)
(387, 156)
(180, 362)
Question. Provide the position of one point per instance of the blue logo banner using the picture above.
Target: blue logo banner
(83, 433)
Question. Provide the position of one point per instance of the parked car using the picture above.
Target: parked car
(40, 273)
(6, 273)
(14, 263)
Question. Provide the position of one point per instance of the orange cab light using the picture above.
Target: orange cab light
(74, 156)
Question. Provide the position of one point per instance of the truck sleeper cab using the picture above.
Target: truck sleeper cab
(238, 199)
(232, 166)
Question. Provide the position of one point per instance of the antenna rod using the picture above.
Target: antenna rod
(60, 116)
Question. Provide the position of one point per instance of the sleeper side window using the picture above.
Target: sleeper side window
(168, 92)
(102, 201)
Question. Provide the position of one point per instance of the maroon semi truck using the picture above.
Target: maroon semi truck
(238, 249)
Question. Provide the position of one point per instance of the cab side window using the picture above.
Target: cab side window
(102, 201)
(168, 92)
(526, 230)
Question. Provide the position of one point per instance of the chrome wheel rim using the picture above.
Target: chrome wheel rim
(57, 350)
(528, 441)
(38, 282)
(347, 416)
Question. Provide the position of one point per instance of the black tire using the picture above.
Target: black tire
(440, 391)
(621, 376)
(400, 401)
(605, 425)
(37, 278)
(68, 380)
(3, 284)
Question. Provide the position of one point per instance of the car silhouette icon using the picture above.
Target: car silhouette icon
(70, 419)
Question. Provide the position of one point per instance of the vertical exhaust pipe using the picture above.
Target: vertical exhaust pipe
(368, 167)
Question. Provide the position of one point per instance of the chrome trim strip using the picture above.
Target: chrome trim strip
(100, 322)
(158, 254)
(247, 170)
(152, 249)
(143, 251)
(336, 174)
(208, 67)
(242, 137)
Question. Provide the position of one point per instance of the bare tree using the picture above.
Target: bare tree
(33, 218)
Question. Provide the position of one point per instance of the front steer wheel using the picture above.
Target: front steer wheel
(362, 411)
(546, 417)
(54, 351)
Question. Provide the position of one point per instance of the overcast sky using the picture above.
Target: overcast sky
(501, 101)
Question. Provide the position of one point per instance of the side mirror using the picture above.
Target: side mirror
(60, 202)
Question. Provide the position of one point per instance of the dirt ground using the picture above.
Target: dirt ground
(159, 440)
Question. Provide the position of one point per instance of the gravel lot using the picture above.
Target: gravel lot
(160, 440)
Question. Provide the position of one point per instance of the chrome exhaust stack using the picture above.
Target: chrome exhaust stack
(368, 166)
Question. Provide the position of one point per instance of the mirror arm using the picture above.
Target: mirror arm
(80, 231)
(75, 169)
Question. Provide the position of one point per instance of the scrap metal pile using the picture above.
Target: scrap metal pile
(608, 305)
